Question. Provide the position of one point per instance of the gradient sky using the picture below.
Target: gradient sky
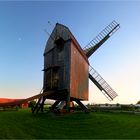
(22, 42)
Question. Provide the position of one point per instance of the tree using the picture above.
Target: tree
(32, 103)
(117, 104)
(106, 104)
(138, 102)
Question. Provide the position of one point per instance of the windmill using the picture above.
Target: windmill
(67, 69)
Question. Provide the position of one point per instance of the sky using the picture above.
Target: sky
(22, 43)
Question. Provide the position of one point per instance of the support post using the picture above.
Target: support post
(68, 102)
(41, 105)
(55, 104)
(84, 108)
(36, 106)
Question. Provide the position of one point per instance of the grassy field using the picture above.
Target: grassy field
(24, 124)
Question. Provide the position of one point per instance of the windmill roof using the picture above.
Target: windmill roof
(63, 31)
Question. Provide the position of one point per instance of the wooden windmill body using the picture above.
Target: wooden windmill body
(67, 70)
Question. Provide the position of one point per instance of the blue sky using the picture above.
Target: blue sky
(22, 42)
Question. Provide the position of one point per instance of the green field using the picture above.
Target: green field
(24, 124)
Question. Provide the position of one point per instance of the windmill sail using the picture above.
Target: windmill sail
(96, 78)
(93, 45)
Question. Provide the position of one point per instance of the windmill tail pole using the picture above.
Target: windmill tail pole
(21, 101)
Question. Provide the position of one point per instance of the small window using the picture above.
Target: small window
(60, 43)
(60, 48)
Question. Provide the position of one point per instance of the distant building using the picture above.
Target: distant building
(137, 105)
(7, 100)
(108, 105)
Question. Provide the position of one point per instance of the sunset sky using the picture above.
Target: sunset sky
(22, 43)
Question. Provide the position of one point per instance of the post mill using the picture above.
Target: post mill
(67, 70)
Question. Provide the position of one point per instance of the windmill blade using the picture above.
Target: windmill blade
(94, 44)
(96, 78)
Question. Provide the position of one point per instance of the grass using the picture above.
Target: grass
(23, 124)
